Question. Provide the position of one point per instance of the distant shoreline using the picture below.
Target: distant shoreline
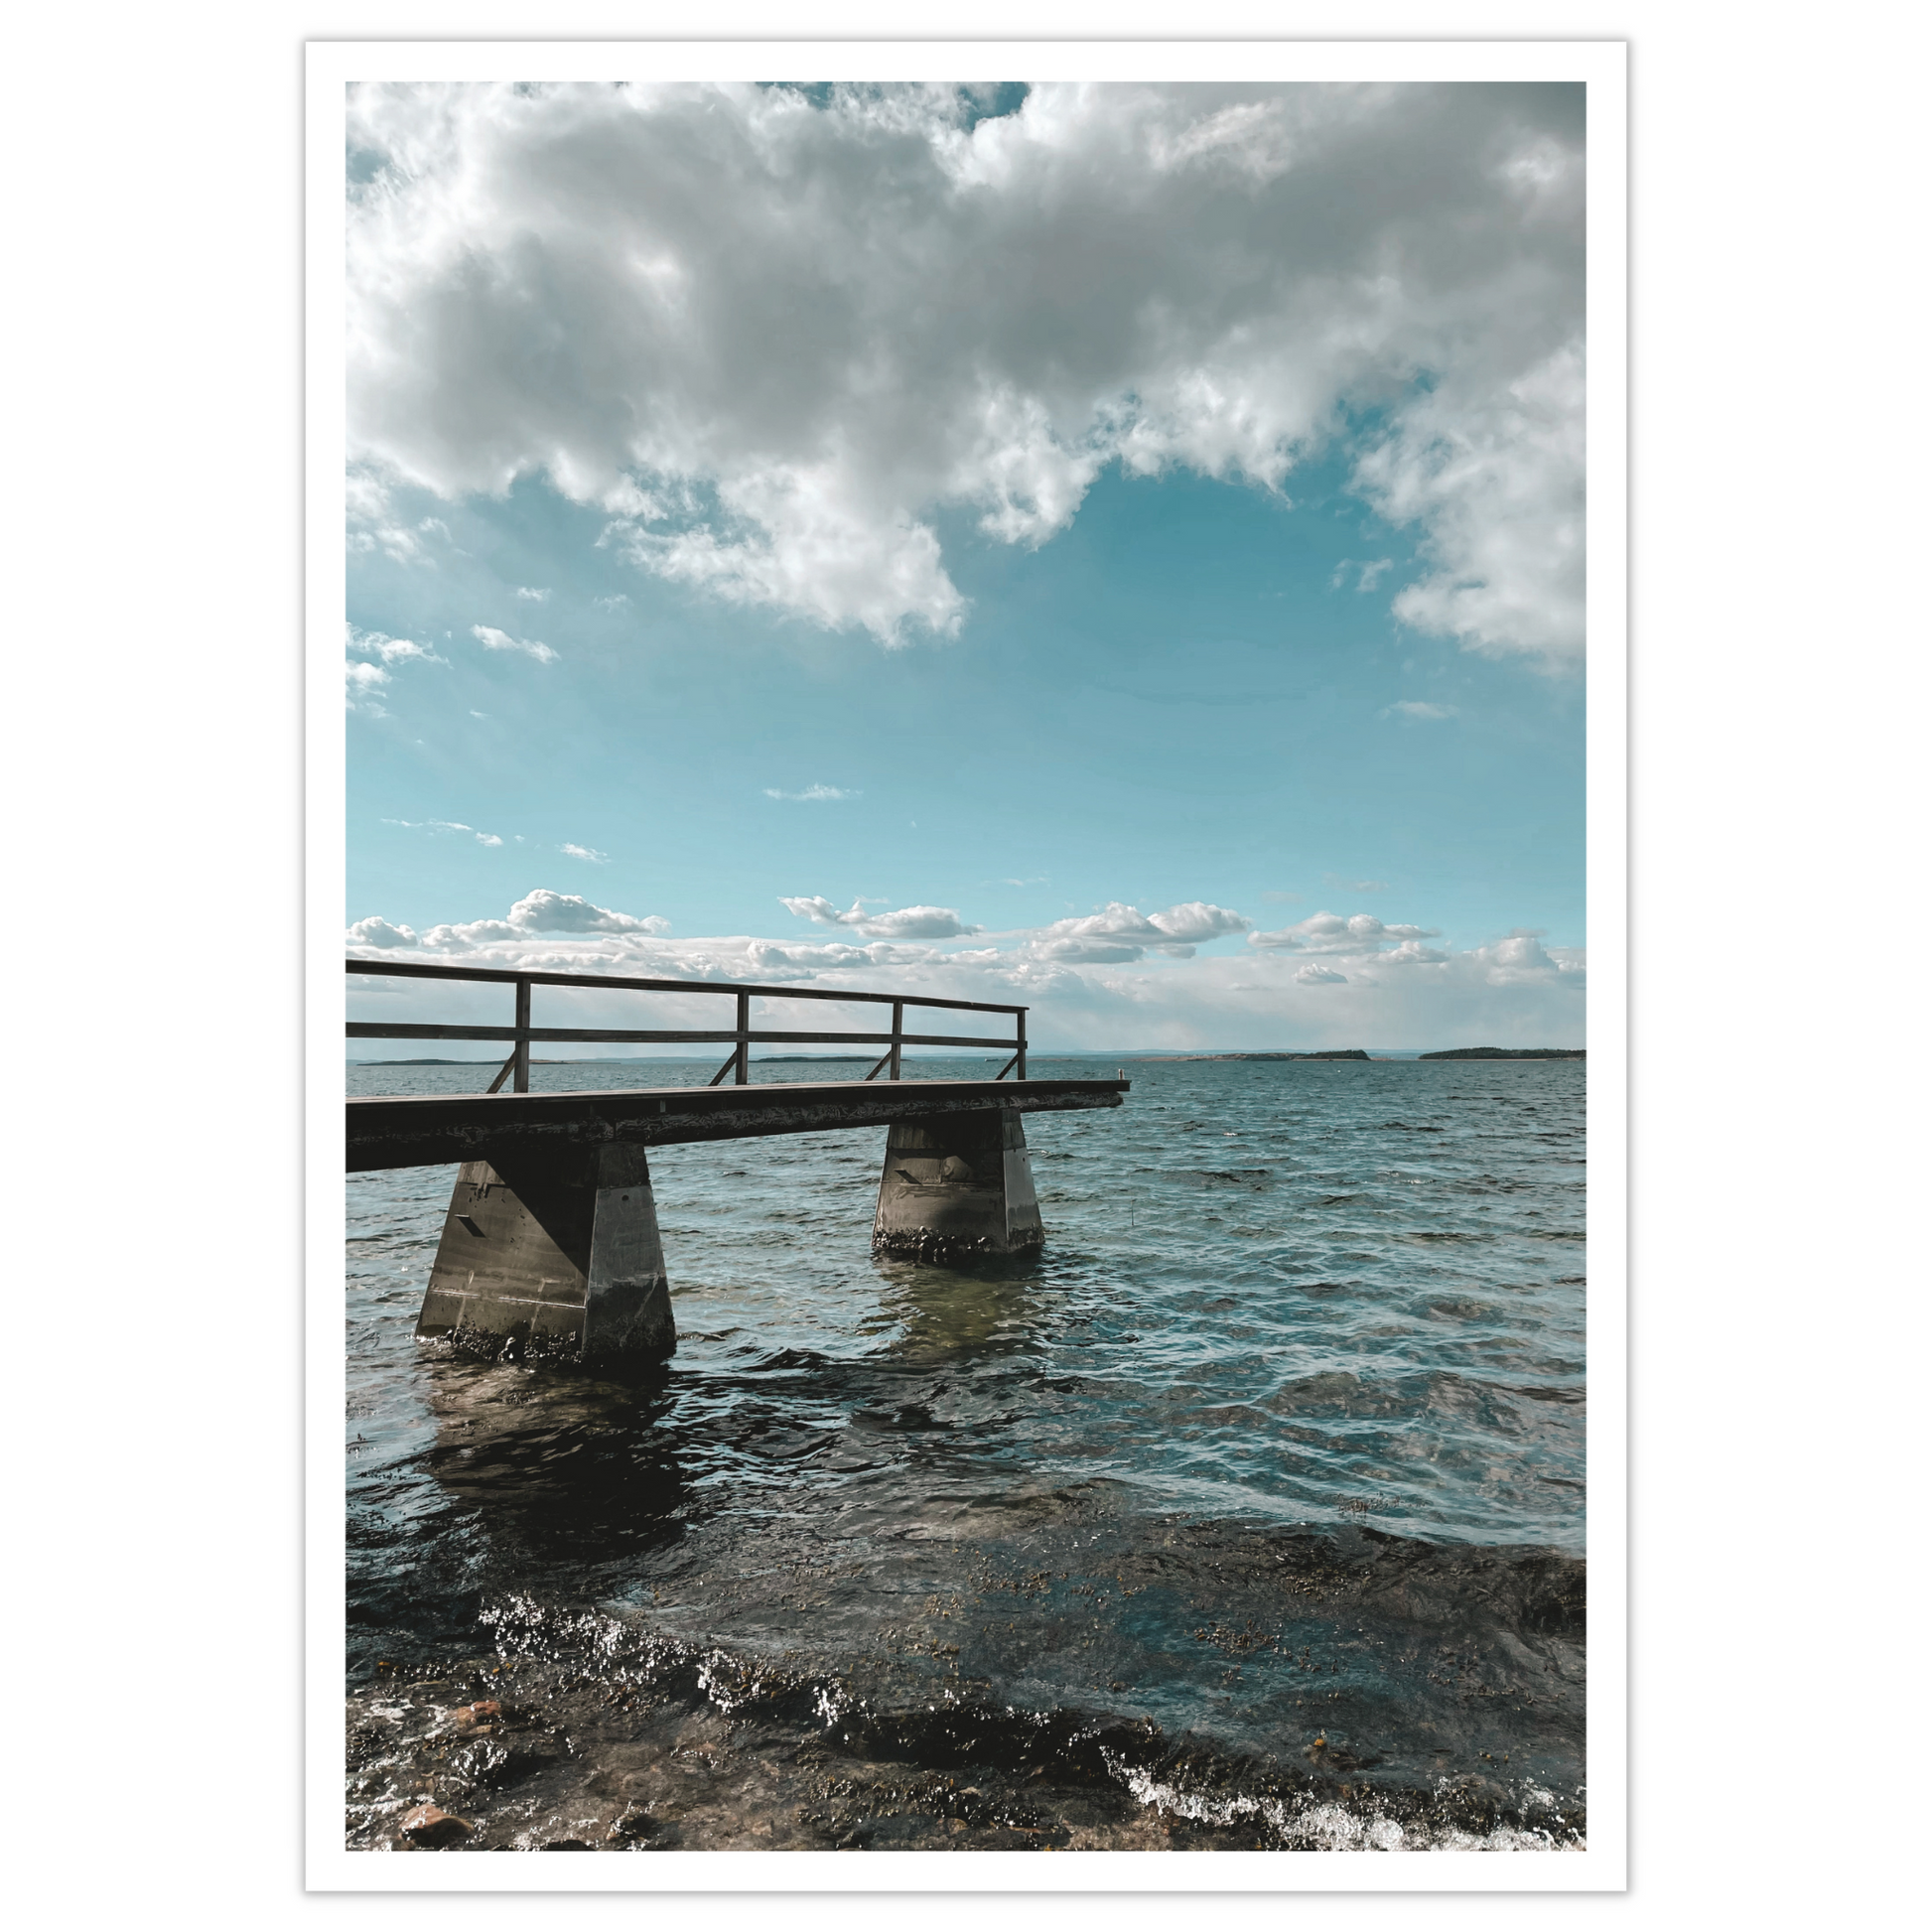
(1137, 1053)
(1361, 1053)
(1328, 1053)
(1508, 1053)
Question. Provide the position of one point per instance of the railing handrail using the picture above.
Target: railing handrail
(743, 1035)
(663, 1036)
(509, 975)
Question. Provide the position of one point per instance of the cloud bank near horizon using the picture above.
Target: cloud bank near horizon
(1116, 978)
(585, 284)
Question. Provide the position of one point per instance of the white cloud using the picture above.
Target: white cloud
(1520, 955)
(494, 639)
(1121, 933)
(1196, 920)
(1218, 277)
(586, 852)
(361, 683)
(1361, 933)
(917, 922)
(1494, 478)
(443, 825)
(541, 911)
(547, 912)
(379, 933)
(1314, 975)
(1417, 708)
(822, 910)
(811, 794)
(391, 650)
(532, 596)
(1078, 949)
(476, 932)
(909, 922)
(374, 525)
(784, 959)
(362, 680)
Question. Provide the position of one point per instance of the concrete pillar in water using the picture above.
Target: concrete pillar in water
(956, 1185)
(557, 1254)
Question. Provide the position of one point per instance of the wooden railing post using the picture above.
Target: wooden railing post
(521, 1081)
(1020, 1043)
(743, 1078)
(899, 1027)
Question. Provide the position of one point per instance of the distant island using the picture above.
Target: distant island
(465, 1062)
(779, 1060)
(1333, 1053)
(1507, 1053)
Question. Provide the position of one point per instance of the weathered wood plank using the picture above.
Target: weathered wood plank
(434, 1130)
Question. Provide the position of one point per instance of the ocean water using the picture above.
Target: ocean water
(1248, 1514)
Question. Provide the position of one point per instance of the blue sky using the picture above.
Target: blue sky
(1215, 680)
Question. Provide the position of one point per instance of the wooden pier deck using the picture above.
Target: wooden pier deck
(419, 1130)
(551, 1243)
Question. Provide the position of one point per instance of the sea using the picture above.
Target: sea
(1248, 1514)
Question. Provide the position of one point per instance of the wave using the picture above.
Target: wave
(591, 1731)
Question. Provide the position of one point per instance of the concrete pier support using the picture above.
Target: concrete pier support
(957, 1185)
(556, 1255)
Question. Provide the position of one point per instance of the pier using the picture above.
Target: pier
(551, 1246)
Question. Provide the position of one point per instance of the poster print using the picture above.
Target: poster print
(965, 827)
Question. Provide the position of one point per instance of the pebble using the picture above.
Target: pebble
(430, 1825)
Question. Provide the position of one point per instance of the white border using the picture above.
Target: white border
(1602, 66)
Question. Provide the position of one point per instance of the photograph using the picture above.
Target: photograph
(968, 821)
(1033, 884)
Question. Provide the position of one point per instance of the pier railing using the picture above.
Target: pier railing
(743, 1035)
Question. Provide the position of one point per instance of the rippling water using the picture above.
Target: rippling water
(1250, 1512)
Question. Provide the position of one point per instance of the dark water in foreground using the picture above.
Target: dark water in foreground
(1248, 1514)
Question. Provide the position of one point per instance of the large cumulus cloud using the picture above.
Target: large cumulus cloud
(773, 336)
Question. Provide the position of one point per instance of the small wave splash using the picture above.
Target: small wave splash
(592, 1731)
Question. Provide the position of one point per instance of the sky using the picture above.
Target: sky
(1116, 549)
